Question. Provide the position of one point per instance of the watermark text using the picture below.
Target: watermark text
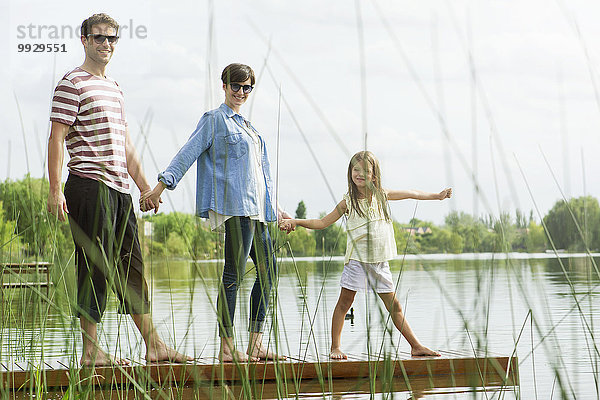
(57, 32)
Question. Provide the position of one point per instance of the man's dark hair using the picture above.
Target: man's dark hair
(86, 26)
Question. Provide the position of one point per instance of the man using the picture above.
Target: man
(87, 113)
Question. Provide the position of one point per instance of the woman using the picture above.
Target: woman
(235, 192)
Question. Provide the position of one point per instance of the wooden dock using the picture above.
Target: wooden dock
(25, 269)
(450, 370)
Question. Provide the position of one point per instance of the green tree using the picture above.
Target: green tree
(574, 225)
(302, 242)
(505, 233)
(405, 242)
(331, 240)
(177, 246)
(10, 244)
(456, 243)
(520, 220)
(205, 243)
(442, 241)
(301, 210)
(536, 238)
(471, 230)
(192, 237)
(40, 233)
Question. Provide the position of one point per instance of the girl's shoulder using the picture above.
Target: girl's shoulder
(346, 201)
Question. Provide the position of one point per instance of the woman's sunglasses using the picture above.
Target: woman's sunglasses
(99, 39)
(236, 87)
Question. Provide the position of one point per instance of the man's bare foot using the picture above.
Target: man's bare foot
(336, 354)
(161, 352)
(422, 351)
(101, 359)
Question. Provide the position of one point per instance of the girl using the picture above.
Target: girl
(371, 244)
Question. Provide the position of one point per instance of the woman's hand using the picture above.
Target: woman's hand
(288, 225)
(150, 199)
(282, 220)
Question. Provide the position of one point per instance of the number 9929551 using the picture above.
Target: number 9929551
(41, 48)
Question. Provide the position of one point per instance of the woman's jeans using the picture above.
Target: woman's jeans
(243, 237)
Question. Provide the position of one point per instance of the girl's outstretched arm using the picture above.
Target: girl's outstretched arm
(418, 195)
(322, 223)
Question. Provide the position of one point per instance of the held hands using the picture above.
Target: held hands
(150, 199)
(445, 194)
(283, 219)
(288, 225)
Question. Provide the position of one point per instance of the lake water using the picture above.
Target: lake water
(545, 310)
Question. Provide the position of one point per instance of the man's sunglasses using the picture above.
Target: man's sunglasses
(236, 87)
(99, 39)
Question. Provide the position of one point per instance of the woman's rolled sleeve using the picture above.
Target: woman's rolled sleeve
(200, 140)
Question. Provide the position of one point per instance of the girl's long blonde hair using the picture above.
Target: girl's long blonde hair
(373, 187)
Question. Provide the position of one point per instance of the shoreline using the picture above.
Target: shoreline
(441, 257)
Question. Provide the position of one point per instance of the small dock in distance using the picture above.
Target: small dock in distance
(359, 372)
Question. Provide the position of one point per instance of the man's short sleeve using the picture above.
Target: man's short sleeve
(65, 103)
(122, 105)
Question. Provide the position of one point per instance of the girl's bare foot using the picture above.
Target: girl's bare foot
(422, 351)
(336, 354)
(101, 359)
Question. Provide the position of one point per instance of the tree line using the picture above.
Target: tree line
(28, 231)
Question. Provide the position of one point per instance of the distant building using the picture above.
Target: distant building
(148, 228)
(412, 231)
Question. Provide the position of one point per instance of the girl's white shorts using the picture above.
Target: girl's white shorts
(358, 275)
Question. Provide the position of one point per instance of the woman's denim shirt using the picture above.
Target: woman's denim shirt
(225, 180)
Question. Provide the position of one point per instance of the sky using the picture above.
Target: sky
(497, 99)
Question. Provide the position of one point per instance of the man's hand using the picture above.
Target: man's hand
(57, 205)
(150, 199)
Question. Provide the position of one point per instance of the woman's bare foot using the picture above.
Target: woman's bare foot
(228, 353)
(336, 354)
(422, 351)
(161, 352)
(257, 350)
(235, 356)
(101, 359)
(263, 354)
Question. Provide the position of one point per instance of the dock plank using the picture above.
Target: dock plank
(204, 371)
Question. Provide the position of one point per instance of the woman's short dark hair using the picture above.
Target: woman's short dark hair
(237, 73)
(86, 26)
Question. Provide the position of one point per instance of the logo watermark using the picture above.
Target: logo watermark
(57, 32)
(43, 38)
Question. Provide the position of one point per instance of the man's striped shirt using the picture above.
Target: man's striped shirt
(93, 108)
